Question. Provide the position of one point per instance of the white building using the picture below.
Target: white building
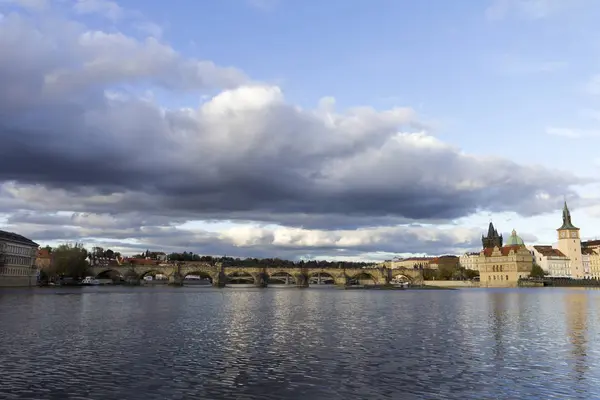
(17, 260)
(469, 261)
(551, 260)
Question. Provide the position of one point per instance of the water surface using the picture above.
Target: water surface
(282, 343)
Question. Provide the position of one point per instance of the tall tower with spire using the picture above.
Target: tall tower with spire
(569, 243)
(492, 239)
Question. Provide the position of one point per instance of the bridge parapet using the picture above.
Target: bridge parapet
(219, 274)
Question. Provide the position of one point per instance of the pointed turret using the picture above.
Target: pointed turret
(492, 239)
(566, 216)
(491, 230)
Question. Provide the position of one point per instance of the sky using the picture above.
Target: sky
(298, 129)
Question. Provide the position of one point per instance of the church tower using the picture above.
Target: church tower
(492, 239)
(569, 243)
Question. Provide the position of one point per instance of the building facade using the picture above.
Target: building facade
(595, 265)
(504, 266)
(569, 243)
(17, 260)
(551, 260)
(413, 263)
(469, 261)
(43, 259)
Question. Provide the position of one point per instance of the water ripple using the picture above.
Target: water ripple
(169, 343)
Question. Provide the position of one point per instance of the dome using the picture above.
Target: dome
(514, 240)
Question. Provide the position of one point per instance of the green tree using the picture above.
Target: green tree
(70, 261)
(445, 273)
(536, 271)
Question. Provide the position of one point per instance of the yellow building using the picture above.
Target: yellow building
(504, 266)
(594, 263)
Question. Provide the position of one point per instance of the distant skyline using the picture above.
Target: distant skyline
(298, 129)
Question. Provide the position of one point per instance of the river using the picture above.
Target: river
(288, 343)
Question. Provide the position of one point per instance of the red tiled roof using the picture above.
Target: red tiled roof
(549, 251)
(43, 253)
(505, 250)
(585, 250)
(591, 243)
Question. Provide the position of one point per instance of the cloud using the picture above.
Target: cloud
(529, 9)
(573, 133)
(33, 5)
(108, 9)
(81, 137)
(517, 66)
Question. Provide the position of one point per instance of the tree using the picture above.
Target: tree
(537, 271)
(70, 261)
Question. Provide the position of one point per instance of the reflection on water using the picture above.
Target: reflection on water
(576, 309)
(246, 343)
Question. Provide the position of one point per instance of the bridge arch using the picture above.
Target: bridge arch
(401, 276)
(200, 274)
(109, 273)
(282, 276)
(152, 272)
(364, 278)
(321, 277)
(240, 277)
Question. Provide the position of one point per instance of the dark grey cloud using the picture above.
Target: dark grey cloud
(81, 133)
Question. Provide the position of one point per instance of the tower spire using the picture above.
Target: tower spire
(566, 217)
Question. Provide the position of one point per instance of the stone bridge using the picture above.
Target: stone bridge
(220, 275)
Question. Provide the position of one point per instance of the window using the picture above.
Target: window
(506, 277)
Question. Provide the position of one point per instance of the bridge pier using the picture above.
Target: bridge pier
(262, 280)
(302, 281)
(176, 280)
(220, 280)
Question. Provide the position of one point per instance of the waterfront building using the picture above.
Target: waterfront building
(17, 260)
(551, 260)
(503, 266)
(447, 261)
(571, 257)
(569, 243)
(595, 264)
(43, 259)
(413, 263)
(469, 261)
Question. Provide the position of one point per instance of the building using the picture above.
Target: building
(469, 261)
(444, 262)
(504, 266)
(43, 259)
(413, 263)
(492, 239)
(570, 258)
(595, 265)
(569, 243)
(592, 244)
(17, 260)
(551, 260)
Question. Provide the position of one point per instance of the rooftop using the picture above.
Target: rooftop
(505, 250)
(549, 251)
(13, 237)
